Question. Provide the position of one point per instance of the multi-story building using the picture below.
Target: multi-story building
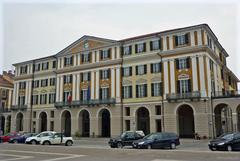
(175, 80)
(6, 92)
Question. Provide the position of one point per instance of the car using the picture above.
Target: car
(21, 138)
(57, 139)
(125, 139)
(37, 138)
(157, 140)
(228, 141)
(7, 137)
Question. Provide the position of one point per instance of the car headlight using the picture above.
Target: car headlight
(141, 143)
(221, 143)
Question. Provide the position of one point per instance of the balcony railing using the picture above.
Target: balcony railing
(184, 96)
(19, 107)
(5, 110)
(225, 94)
(85, 102)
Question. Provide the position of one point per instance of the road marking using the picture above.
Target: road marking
(17, 157)
(64, 158)
(165, 160)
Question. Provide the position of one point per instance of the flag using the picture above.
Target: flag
(69, 99)
(88, 94)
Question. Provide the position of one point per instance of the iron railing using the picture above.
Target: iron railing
(225, 94)
(5, 110)
(85, 102)
(180, 96)
(19, 107)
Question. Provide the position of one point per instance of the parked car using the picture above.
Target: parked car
(229, 142)
(37, 138)
(158, 140)
(21, 138)
(125, 139)
(7, 137)
(57, 139)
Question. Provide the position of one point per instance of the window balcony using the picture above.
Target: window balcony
(225, 94)
(18, 107)
(85, 102)
(192, 96)
(5, 110)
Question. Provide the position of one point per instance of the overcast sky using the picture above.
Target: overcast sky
(31, 29)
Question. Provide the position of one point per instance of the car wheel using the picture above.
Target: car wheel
(229, 148)
(173, 146)
(69, 143)
(149, 146)
(119, 145)
(15, 141)
(46, 143)
(33, 142)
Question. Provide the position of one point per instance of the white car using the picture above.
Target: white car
(37, 138)
(57, 139)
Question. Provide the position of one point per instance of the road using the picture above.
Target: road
(97, 149)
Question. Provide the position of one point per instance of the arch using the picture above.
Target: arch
(143, 120)
(185, 117)
(222, 118)
(8, 125)
(66, 122)
(2, 124)
(104, 122)
(42, 121)
(238, 118)
(84, 123)
(19, 122)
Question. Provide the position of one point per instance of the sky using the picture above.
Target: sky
(32, 29)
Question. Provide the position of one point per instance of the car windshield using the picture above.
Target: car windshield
(123, 134)
(227, 136)
(151, 136)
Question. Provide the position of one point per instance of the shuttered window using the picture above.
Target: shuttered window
(141, 90)
(182, 39)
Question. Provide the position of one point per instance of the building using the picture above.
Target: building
(176, 80)
(6, 92)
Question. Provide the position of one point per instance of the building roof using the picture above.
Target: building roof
(6, 79)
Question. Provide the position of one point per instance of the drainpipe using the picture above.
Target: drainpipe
(121, 45)
(213, 131)
(31, 105)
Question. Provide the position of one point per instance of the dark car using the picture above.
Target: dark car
(125, 139)
(7, 137)
(229, 142)
(157, 140)
(21, 138)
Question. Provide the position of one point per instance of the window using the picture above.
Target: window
(127, 50)
(23, 69)
(4, 93)
(86, 57)
(127, 91)
(184, 86)
(36, 67)
(68, 61)
(209, 42)
(158, 110)
(45, 66)
(104, 93)
(43, 99)
(158, 125)
(54, 64)
(156, 89)
(52, 81)
(105, 54)
(36, 84)
(34, 114)
(52, 125)
(21, 100)
(22, 85)
(141, 90)
(156, 67)
(67, 79)
(65, 95)
(52, 114)
(182, 39)
(141, 69)
(183, 63)
(85, 76)
(35, 99)
(51, 98)
(105, 74)
(44, 83)
(139, 48)
(85, 94)
(127, 122)
(155, 45)
(127, 71)
(127, 110)
(211, 65)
